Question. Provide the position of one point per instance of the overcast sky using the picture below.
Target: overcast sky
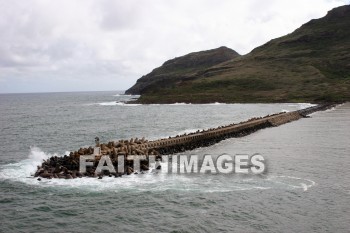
(86, 45)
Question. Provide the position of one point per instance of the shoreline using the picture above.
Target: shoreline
(157, 100)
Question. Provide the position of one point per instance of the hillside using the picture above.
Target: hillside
(176, 70)
(311, 64)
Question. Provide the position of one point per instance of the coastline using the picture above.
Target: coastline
(159, 100)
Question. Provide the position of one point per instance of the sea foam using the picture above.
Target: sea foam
(153, 180)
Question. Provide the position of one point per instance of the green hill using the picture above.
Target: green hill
(179, 69)
(311, 64)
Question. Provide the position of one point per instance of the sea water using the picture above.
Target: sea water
(306, 187)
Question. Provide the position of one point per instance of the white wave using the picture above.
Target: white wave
(331, 109)
(187, 131)
(115, 103)
(292, 182)
(304, 186)
(305, 105)
(179, 104)
(23, 170)
(112, 103)
(216, 103)
(126, 104)
(284, 110)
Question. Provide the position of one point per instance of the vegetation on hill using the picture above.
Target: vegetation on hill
(311, 64)
(179, 69)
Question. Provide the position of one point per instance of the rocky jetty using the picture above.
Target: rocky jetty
(67, 167)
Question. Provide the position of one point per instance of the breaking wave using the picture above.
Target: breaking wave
(23, 171)
(116, 103)
(302, 105)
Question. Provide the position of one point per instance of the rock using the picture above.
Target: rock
(81, 151)
(144, 167)
(39, 179)
(45, 174)
(129, 171)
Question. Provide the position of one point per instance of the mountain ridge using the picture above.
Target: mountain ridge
(311, 64)
(189, 65)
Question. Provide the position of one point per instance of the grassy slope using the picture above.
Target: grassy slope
(312, 64)
(176, 70)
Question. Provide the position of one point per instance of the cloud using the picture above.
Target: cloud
(72, 45)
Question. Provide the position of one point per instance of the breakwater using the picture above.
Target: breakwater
(67, 166)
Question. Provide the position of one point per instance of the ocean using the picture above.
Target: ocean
(306, 187)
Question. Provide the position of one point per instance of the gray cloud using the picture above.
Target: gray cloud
(71, 45)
